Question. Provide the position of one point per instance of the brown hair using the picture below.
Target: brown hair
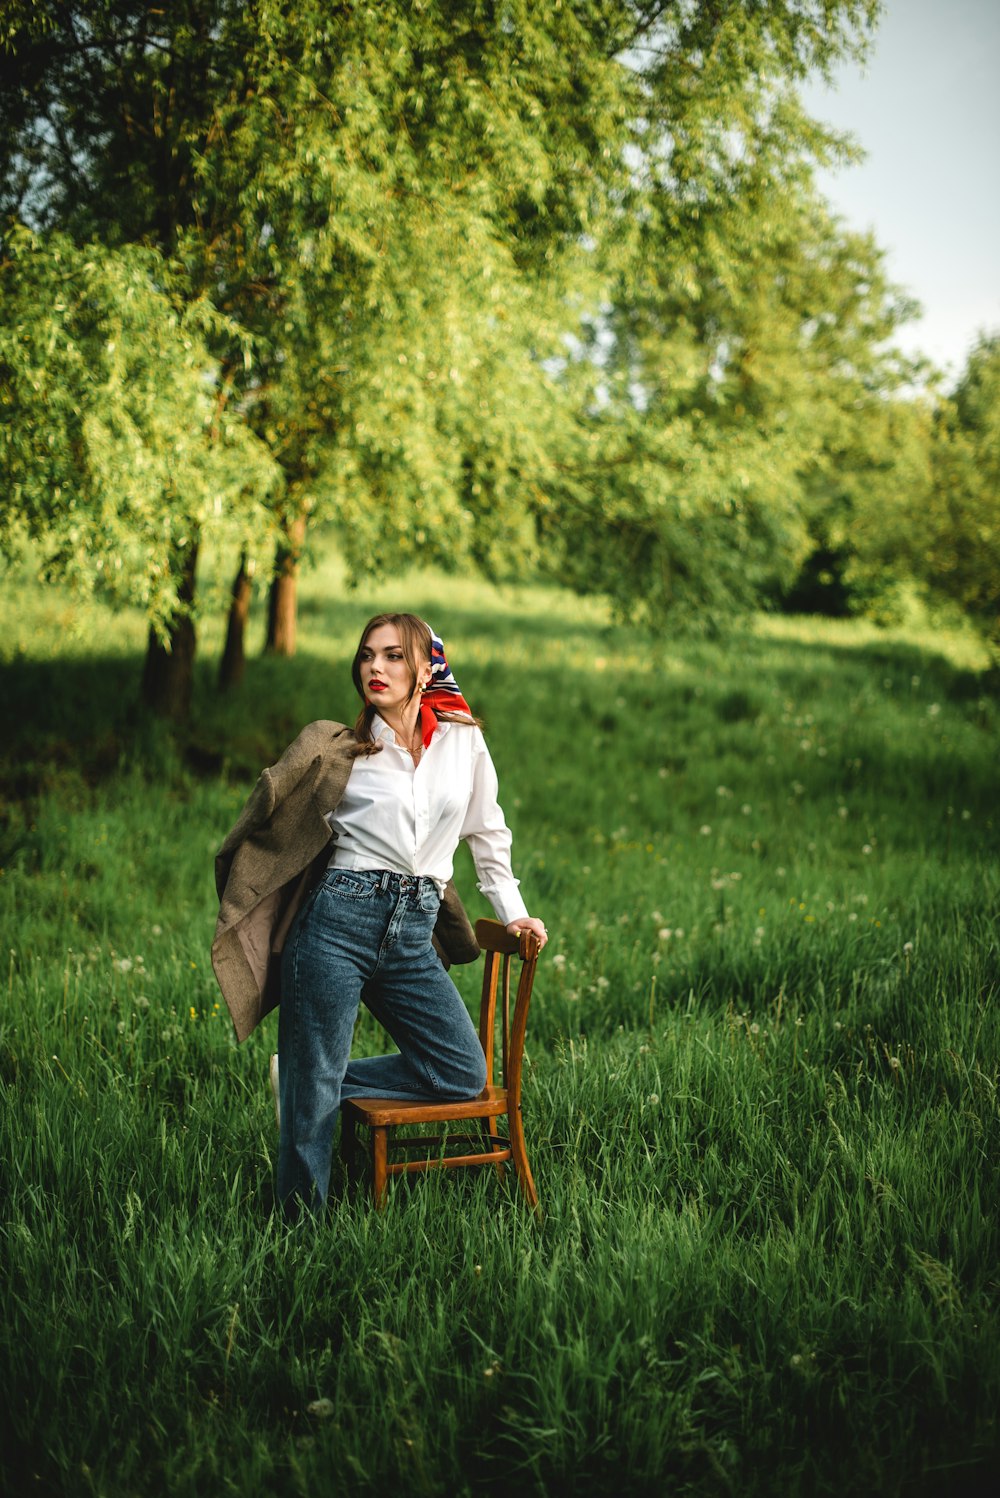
(415, 641)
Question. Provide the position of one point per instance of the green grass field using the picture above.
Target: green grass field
(761, 1101)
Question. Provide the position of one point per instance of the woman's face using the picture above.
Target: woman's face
(386, 679)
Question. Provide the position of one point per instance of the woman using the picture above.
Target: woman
(396, 793)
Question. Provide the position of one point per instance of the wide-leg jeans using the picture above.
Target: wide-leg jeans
(363, 936)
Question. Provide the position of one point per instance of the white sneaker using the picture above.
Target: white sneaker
(273, 1074)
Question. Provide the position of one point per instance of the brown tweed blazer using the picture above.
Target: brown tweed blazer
(273, 857)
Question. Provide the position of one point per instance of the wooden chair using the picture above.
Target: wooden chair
(381, 1115)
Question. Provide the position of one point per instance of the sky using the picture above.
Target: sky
(925, 107)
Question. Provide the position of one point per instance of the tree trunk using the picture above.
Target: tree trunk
(168, 675)
(282, 598)
(233, 663)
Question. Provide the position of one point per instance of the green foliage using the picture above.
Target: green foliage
(761, 1103)
(410, 209)
(958, 532)
(118, 447)
(748, 350)
(389, 200)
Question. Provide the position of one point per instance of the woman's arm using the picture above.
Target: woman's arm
(488, 836)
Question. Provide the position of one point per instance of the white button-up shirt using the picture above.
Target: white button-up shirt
(410, 818)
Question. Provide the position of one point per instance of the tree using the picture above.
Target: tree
(957, 532)
(119, 448)
(324, 176)
(748, 338)
(407, 210)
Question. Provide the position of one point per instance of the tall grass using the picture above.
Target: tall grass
(761, 1101)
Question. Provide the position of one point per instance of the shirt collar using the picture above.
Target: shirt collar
(381, 729)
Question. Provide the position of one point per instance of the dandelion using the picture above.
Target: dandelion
(121, 1027)
(866, 849)
(122, 964)
(746, 808)
(679, 933)
(477, 1270)
(841, 811)
(966, 816)
(558, 960)
(907, 948)
(644, 1050)
(141, 1001)
(655, 917)
(664, 933)
(853, 915)
(755, 1028)
(322, 1409)
(156, 930)
(653, 1099)
(933, 709)
(705, 830)
(603, 983)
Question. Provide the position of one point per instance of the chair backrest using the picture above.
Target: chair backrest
(499, 947)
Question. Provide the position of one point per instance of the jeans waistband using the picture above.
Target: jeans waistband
(387, 879)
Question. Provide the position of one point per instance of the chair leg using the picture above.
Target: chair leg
(380, 1157)
(520, 1156)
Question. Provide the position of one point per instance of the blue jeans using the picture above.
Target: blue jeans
(364, 936)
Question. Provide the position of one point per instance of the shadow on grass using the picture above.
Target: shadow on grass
(82, 716)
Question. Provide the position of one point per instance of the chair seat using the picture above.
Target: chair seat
(381, 1112)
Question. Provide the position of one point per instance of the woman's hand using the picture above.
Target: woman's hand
(528, 923)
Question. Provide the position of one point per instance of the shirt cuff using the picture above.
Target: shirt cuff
(506, 901)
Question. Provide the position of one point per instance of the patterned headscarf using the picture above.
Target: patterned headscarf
(442, 692)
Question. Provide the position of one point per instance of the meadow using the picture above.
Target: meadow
(761, 1100)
